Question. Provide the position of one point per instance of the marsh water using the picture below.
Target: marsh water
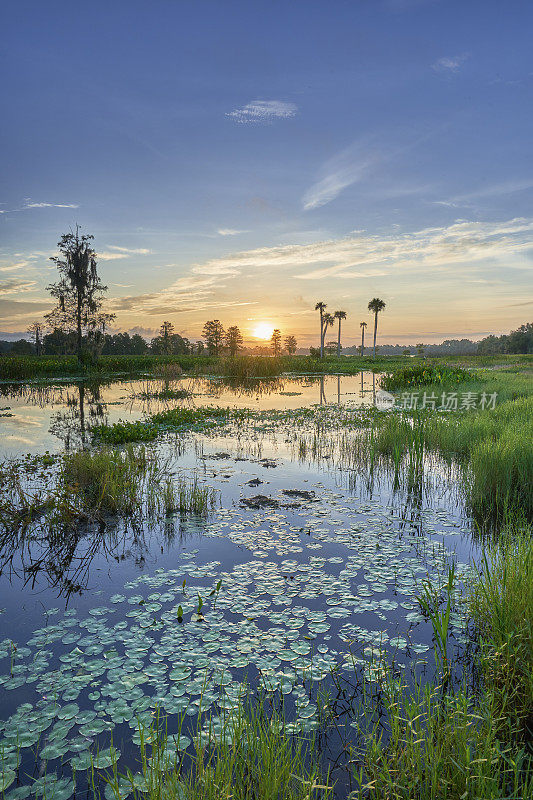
(308, 568)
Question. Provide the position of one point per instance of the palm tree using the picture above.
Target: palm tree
(321, 307)
(328, 322)
(363, 325)
(376, 305)
(339, 315)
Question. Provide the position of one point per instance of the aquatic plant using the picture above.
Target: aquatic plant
(425, 374)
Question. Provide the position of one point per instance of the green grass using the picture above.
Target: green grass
(244, 755)
(502, 609)
(472, 742)
(92, 485)
(16, 368)
(173, 419)
(106, 481)
(424, 374)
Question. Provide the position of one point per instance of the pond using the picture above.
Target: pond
(299, 582)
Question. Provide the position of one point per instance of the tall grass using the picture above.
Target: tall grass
(431, 741)
(502, 609)
(243, 755)
(107, 481)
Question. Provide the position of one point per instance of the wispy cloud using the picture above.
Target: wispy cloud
(14, 267)
(105, 255)
(141, 251)
(342, 170)
(493, 190)
(364, 255)
(263, 111)
(229, 231)
(28, 204)
(450, 63)
(12, 285)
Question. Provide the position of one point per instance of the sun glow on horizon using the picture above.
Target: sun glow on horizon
(263, 330)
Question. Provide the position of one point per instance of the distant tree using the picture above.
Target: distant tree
(363, 325)
(22, 348)
(199, 347)
(166, 332)
(420, 349)
(314, 352)
(213, 333)
(321, 307)
(406, 352)
(331, 348)
(36, 330)
(275, 341)
(375, 306)
(79, 291)
(138, 346)
(59, 342)
(340, 315)
(233, 340)
(290, 344)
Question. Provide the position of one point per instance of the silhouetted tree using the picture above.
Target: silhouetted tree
(213, 333)
(36, 329)
(79, 291)
(290, 344)
(328, 321)
(233, 340)
(321, 307)
(340, 315)
(376, 305)
(363, 325)
(275, 341)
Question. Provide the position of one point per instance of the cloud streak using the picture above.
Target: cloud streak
(450, 63)
(261, 112)
(364, 255)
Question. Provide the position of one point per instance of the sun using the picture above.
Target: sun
(263, 330)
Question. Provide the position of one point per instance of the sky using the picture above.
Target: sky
(242, 160)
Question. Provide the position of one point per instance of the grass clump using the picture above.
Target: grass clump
(439, 746)
(502, 610)
(122, 432)
(106, 481)
(424, 374)
(245, 754)
(251, 366)
(173, 419)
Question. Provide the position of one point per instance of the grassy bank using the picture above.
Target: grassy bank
(437, 741)
(41, 367)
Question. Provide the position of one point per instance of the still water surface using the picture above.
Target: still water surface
(321, 575)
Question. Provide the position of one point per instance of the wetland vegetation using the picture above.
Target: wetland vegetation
(364, 631)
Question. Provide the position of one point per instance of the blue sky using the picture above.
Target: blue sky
(242, 160)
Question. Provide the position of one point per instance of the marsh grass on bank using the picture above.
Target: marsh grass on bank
(91, 486)
(432, 740)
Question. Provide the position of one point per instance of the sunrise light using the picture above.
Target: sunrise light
(263, 330)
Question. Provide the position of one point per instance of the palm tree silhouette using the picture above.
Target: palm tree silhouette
(363, 325)
(321, 307)
(376, 305)
(339, 315)
(329, 321)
